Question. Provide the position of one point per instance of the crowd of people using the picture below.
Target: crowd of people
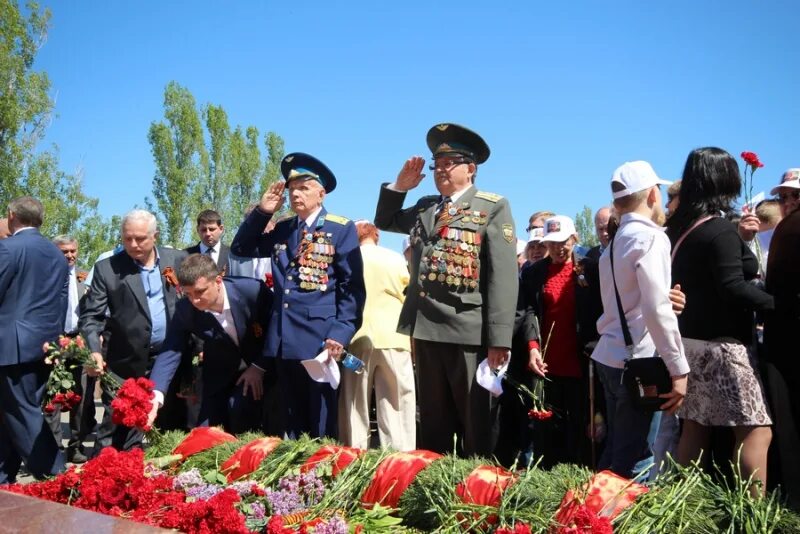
(305, 319)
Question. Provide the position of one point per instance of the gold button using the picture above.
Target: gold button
(285, 304)
(290, 277)
(421, 293)
(286, 291)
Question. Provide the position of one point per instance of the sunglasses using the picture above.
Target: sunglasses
(786, 197)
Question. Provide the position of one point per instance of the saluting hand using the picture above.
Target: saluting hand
(411, 174)
(272, 199)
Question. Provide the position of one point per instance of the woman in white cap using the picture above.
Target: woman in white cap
(562, 296)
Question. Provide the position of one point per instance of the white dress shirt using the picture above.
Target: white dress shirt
(214, 251)
(644, 275)
(71, 321)
(225, 318)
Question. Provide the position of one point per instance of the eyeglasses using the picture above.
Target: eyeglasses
(446, 165)
(786, 197)
(531, 227)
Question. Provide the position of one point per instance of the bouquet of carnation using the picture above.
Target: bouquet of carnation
(539, 410)
(67, 356)
(132, 404)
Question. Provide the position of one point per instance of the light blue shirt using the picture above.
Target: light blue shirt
(154, 292)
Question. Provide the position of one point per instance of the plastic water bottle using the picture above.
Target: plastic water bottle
(353, 363)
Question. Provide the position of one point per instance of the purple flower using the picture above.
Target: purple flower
(258, 511)
(203, 492)
(188, 479)
(335, 525)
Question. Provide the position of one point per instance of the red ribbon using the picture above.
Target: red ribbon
(394, 475)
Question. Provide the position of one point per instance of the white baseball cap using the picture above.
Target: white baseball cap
(536, 235)
(635, 176)
(558, 229)
(789, 180)
(521, 246)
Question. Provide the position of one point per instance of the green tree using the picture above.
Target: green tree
(218, 168)
(25, 112)
(180, 156)
(584, 224)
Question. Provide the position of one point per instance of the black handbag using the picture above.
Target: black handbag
(644, 378)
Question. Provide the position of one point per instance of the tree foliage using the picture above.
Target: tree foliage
(584, 225)
(203, 163)
(25, 111)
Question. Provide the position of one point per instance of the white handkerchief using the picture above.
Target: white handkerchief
(322, 369)
(490, 379)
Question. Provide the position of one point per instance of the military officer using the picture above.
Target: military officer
(461, 298)
(319, 287)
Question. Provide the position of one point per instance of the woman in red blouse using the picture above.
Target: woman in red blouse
(560, 302)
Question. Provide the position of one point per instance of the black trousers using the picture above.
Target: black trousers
(82, 416)
(451, 403)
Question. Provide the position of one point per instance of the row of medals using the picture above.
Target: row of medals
(313, 257)
(454, 259)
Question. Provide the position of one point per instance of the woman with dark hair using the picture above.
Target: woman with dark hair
(713, 267)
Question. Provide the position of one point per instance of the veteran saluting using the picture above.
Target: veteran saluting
(461, 299)
(319, 287)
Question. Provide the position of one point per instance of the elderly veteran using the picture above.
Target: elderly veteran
(462, 294)
(319, 287)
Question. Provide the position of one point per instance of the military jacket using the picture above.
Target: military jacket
(464, 281)
(318, 281)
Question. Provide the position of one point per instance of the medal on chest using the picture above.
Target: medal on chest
(315, 253)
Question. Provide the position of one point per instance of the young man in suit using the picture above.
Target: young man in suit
(33, 297)
(319, 287)
(82, 416)
(133, 301)
(210, 230)
(230, 316)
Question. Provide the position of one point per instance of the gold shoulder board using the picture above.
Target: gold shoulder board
(338, 219)
(491, 197)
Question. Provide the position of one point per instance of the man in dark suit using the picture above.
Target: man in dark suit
(601, 219)
(210, 230)
(33, 296)
(319, 287)
(131, 299)
(230, 316)
(82, 416)
(780, 366)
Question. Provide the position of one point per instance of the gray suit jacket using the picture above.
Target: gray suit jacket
(117, 288)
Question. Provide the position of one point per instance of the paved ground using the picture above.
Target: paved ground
(24, 477)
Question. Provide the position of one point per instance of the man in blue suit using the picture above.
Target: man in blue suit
(319, 287)
(230, 316)
(33, 297)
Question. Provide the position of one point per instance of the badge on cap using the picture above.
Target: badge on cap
(553, 226)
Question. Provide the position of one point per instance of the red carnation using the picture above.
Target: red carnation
(133, 403)
(269, 280)
(751, 158)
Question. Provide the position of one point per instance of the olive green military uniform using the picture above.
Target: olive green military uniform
(461, 300)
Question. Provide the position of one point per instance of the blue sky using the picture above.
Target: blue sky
(563, 92)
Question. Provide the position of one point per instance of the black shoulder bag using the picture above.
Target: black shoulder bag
(644, 378)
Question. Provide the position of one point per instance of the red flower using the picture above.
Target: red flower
(751, 158)
(49, 408)
(276, 525)
(133, 403)
(200, 439)
(80, 342)
(341, 457)
(394, 475)
(64, 342)
(269, 280)
(519, 528)
(248, 457)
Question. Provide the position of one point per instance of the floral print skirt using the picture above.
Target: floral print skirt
(724, 387)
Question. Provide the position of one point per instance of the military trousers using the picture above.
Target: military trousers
(451, 402)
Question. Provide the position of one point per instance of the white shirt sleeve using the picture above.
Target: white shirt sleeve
(653, 275)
